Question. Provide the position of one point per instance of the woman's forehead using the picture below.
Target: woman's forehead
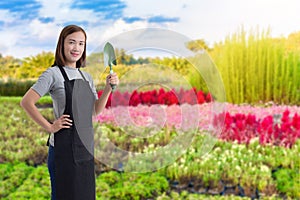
(77, 36)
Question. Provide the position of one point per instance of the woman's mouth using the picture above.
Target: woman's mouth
(74, 54)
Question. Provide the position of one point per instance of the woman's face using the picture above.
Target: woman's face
(73, 48)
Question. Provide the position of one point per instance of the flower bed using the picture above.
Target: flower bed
(160, 96)
(278, 125)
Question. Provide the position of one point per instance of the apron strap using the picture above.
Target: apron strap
(64, 73)
(82, 75)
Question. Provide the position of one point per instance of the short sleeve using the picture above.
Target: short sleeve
(44, 83)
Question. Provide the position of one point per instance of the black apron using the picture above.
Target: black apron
(73, 147)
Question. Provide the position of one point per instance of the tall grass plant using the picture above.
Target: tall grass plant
(258, 68)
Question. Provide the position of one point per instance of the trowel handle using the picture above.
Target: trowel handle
(113, 86)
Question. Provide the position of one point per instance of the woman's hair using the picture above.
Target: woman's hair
(59, 53)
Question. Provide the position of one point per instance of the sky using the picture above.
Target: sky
(29, 27)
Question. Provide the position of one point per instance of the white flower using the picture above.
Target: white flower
(264, 168)
(254, 140)
(182, 160)
(238, 168)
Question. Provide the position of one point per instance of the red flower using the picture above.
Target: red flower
(171, 98)
(189, 97)
(251, 119)
(240, 125)
(118, 99)
(228, 120)
(296, 122)
(285, 116)
(208, 97)
(134, 99)
(200, 97)
(146, 98)
(266, 123)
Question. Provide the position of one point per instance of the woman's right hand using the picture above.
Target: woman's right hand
(63, 121)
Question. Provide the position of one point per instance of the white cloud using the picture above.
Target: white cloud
(11, 44)
(54, 8)
(98, 35)
(209, 20)
(62, 12)
(7, 16)
(8, 41)
(146, 8)
(197, 18)
(214, 20)
(21, 51)
(121, 26)
(43, 32)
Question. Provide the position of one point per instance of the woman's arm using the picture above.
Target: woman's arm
(28, 104)
(101, 102)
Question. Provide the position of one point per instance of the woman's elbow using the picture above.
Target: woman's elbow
(24, 103)
(29, 99)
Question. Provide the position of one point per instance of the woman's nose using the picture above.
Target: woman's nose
(76, 46)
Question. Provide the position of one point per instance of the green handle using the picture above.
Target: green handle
(113, 86)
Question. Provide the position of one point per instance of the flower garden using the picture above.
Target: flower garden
(255, 155)
(258, 144)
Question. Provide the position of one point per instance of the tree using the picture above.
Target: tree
(32, 67)
(198, 45)
(9, 66)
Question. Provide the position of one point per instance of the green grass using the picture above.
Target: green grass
(16, 99)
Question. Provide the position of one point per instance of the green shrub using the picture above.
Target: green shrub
(36, 185)
(131, 185)
(14, 179)
(21, 139)
(13, 87)
(288, 182)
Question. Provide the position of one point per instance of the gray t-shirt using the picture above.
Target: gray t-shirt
(52, 82)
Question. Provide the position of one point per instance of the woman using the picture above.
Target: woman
(70, 156)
